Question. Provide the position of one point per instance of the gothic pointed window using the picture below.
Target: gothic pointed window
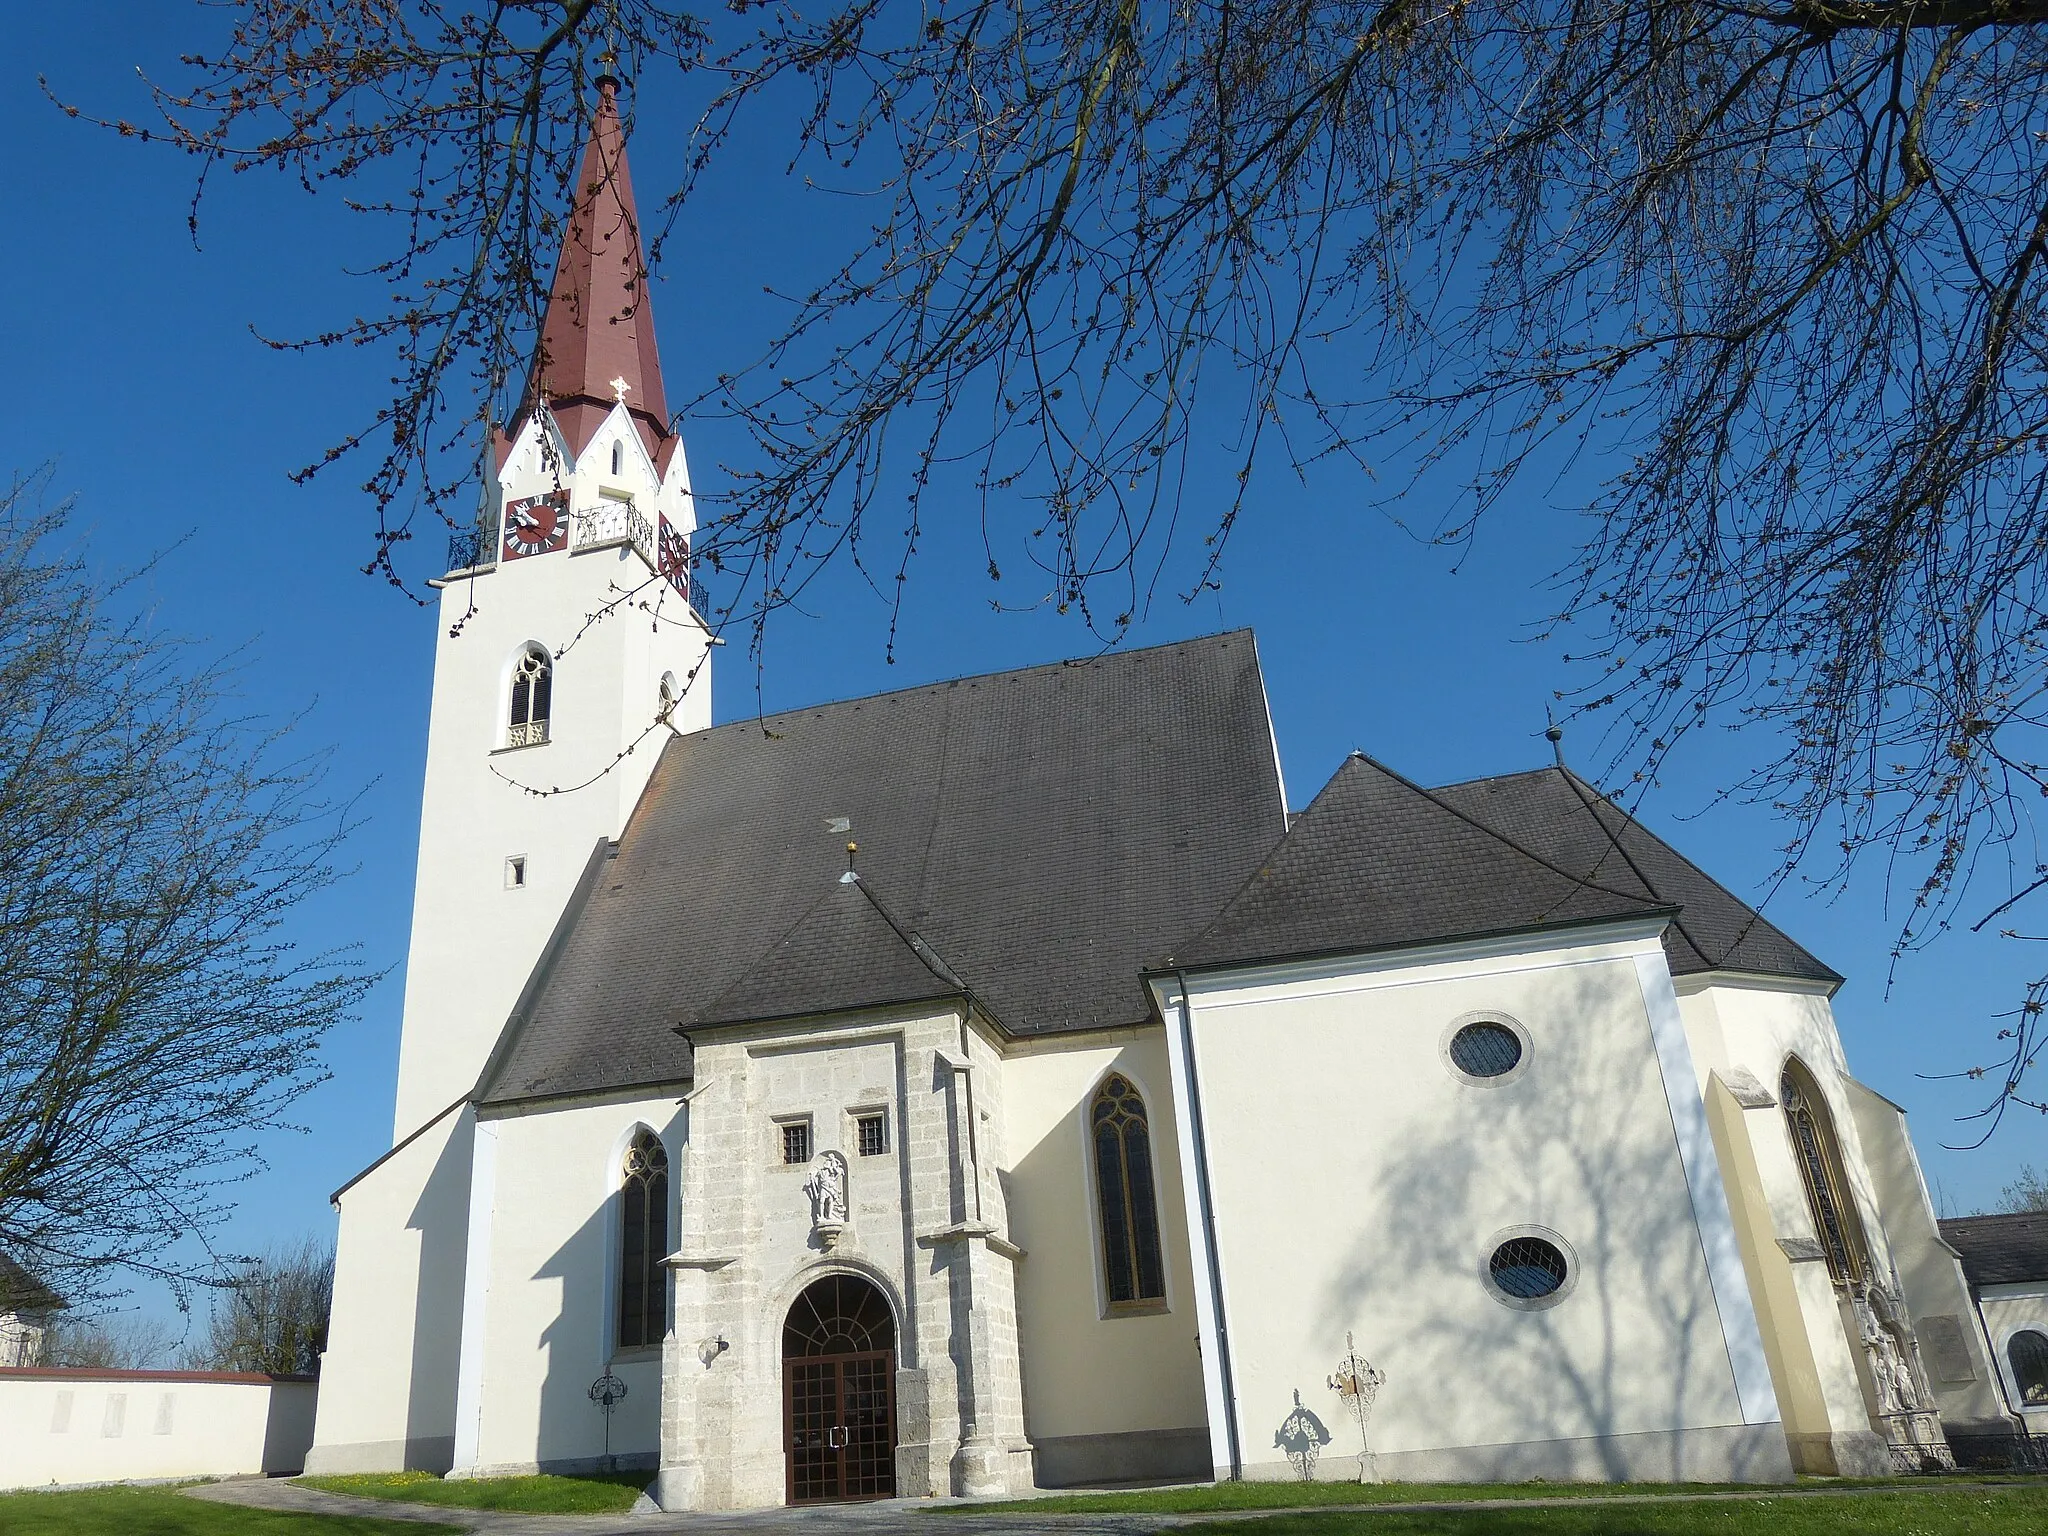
(643, 1243)
(1134, 1277)
(618, 457)
(1819, 1157)
(533, 686)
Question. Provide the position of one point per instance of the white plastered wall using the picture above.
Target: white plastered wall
(70, 1427)
(1087, 1373)
(1958, 1366)
(540, 1320)
(1359, 1185)
(387, 1399)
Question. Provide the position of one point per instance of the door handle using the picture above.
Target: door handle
(835, 1438)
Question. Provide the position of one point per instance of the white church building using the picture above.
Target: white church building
(994, 1084)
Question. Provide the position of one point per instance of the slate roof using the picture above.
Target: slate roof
(2000, 1250)
(1044, 831)
(846, 952)
(21, 1291)
(1377, 862)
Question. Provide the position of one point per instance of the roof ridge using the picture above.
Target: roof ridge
(972, 677)
(1652, 900)
(1576, 882)
(920, 950)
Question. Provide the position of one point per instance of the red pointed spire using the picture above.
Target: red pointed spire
(599, 329)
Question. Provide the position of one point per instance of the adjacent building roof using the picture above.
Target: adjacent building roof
(21, 1291)
(2000, 1250)
(1036, 836)
(1377, 862)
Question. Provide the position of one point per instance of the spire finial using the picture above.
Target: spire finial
(852, 851)
(1554, 734)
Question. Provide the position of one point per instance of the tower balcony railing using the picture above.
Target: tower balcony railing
(472, 549)
(615, 522)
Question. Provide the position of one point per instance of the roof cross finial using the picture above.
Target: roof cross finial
(619, 388)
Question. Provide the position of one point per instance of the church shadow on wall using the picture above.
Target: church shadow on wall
(1582, 1143)
(440, 1217)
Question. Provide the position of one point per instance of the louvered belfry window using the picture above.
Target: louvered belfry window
(643, 1243)
(1124, 1187)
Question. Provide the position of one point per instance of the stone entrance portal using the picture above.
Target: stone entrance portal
(838, 1393)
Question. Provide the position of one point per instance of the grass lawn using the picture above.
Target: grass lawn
(1937, 1512)
(165, 1512)
(601, 1493)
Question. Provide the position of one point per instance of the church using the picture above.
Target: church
(1001, 1084)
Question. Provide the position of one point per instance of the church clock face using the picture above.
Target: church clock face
(536, 525)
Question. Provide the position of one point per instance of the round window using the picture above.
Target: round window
(1485, 1048)
(1528, 1268)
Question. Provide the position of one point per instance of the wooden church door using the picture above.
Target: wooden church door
(839, 1393)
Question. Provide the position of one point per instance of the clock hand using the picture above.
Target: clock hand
(525, 518)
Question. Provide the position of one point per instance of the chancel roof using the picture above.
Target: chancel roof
(1037, 835)
(1379, 863)
(2000, 1250)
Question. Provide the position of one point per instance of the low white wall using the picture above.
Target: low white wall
(63, 1427)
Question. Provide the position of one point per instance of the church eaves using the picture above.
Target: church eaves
(597, 342)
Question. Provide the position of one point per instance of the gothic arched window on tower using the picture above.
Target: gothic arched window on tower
(1819, 1157)
(643, 1243)
(533, 686)
(618, 457)
(1117, 1125)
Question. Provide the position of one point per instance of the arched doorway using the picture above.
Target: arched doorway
(839, 1392)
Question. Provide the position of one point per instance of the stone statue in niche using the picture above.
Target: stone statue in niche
(827, 1188)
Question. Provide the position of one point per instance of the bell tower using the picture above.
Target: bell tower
(568, 651)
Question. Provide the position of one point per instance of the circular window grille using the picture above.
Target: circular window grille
(1485, 1049)
(1528, 1268)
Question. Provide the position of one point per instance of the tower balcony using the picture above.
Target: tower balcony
(613, 522)
(472, 549)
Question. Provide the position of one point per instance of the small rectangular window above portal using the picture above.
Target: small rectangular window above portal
(794, 1138)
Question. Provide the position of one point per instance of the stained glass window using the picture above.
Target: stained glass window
(1124, 1187)
(643, 1243)
(1820, 1170)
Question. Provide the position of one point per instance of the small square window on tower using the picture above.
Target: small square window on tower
(796, 1140)
(871, 1133)
(515, 872)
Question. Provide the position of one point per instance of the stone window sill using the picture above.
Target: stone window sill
(1119, 1309)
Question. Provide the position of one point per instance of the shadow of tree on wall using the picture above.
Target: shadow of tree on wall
(1582, 1143)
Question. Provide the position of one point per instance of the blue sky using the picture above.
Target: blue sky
(131, 366)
